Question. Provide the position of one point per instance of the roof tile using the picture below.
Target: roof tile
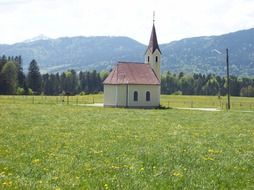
(132, 73)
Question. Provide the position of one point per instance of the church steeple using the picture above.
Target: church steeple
(153, 53)
(153, 43)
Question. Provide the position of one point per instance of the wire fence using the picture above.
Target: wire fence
(222, 105)
(68, 100)
(166, 101)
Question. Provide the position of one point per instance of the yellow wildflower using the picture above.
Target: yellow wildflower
(7, 183)
(211, 151)
(208, 158)
(177, 174)
(115, 167)
(106, 186)
(36, 161)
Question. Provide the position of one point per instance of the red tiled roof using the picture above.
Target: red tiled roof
(132, 73)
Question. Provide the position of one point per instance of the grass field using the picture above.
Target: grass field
(60, 146)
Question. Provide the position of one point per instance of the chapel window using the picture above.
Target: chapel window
(148, 96)
(135, 97)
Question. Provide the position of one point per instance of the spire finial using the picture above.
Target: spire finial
(153, 17)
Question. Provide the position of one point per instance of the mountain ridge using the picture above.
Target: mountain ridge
(189, 55)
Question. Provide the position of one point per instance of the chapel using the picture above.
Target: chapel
(136, 85)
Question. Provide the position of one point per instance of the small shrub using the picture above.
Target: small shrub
(178, 92)
(20, 91)
(30, 91)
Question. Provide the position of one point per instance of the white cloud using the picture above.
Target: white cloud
(175, 19)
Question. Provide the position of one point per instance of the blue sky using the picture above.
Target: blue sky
(175, 19)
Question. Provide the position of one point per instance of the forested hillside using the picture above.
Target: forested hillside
(192, 55)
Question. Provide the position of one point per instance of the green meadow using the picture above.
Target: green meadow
(47, 143)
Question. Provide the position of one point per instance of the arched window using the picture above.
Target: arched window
(156, 59)
(135, 98)
(148, 59)
(148, 96)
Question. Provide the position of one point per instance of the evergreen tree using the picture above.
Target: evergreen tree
(69, 82)
(46, 85)
(3, 61)
(21, 75)
(34, 77)
(8, 78)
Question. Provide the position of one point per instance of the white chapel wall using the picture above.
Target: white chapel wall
(142, 89)
(116, 95)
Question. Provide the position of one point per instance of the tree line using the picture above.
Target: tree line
(200, 84)
(14, 81)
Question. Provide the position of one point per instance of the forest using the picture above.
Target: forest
(13, 81)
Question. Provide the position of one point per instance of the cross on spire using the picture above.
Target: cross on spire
(153, 17)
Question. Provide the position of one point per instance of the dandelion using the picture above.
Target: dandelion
(115, 167)
(142, 169)
(36, 161)
(208, 158)
(7, 183)
(177, 174)
(106, 186)
(211, 151)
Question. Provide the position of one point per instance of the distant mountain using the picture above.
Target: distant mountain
(79, 53)
(37, 38)
(199, 54)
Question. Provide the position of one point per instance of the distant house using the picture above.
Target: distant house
(136, 85)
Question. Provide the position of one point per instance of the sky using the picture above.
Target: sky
(174, 19)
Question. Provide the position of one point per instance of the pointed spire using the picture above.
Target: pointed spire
(153, 43)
